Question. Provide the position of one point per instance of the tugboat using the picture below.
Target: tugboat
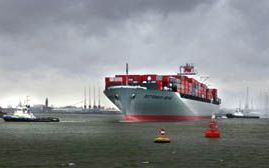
(239, 114)
(243, 113)
(23, 114)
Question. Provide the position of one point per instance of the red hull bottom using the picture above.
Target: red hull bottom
(139, 118)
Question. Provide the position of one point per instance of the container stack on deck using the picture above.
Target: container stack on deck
(187, 87)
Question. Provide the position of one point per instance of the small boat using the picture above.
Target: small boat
(239, 114)
(23, 114)
(229, 115)
(246, 113)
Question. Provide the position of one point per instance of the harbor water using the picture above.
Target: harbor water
(90, 140)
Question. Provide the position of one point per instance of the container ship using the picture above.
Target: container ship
(153, 97)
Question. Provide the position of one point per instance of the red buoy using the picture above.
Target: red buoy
(212, 130)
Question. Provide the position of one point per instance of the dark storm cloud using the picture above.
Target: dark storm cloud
(28, 15)
(18, 17)
(83, 40)
(38, 32)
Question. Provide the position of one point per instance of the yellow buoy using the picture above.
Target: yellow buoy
(162, 137)
(162, 140)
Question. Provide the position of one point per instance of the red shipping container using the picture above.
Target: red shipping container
(209, 94)
(175, 76)
(124, 78)
(149, 77)
(135, 77)
(160, 85)
(215, 93)
(130, 78)
(189, 80)
(112, 81)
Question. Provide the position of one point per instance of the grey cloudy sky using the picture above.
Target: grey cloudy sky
(55, 48)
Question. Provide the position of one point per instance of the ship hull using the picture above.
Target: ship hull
(243, 116)
(43, 119)
(141, 104)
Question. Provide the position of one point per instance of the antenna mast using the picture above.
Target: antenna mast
(85, 106)
(246, 105)
(127, 71)
(90, 97)
(94, 106)
(99, 101)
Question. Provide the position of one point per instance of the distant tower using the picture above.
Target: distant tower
(90, 97)
(99, 101)
(94, 106)
(47, 102)
(85, 106)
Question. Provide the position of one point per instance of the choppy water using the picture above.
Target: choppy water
(84, 140)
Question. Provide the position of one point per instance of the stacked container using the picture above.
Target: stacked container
(215, 93)
(176, 83)
(209, 94)
(152, 81)
(112, 81)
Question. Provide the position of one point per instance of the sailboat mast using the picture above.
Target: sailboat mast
(127, 69)
(94, 106)
(247, 101)
(99, 101)
(85, 106)
(90, 97)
